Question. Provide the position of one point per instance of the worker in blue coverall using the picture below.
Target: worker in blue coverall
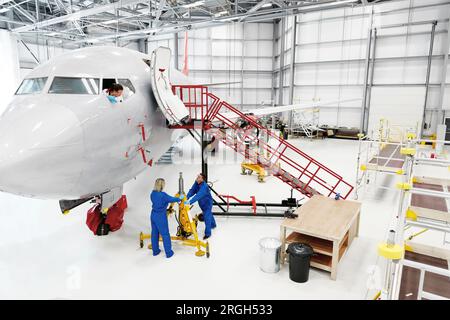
(160, 226)
(200, 192)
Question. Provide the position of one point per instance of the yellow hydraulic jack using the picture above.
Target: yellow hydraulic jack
(187, 227)
(249, 168)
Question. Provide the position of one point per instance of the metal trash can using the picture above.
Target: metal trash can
(269, 259)
(299, 261)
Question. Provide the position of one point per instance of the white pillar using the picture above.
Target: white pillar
(9, 68)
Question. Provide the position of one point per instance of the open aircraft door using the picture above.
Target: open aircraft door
(170, 104)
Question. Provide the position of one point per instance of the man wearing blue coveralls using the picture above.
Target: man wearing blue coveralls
(200, 192)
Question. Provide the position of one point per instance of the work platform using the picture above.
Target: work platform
(328, 226)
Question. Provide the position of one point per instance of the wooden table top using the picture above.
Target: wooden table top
(324, 217)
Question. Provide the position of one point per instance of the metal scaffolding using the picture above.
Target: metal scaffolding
(379, 154)
(407, 217)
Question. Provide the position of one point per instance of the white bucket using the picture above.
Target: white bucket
(269, 258)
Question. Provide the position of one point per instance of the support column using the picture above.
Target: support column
(292, 69)
(446, 48)
(366, 81)
(281, 72)
(370, 83)
(176, 51)
(274, 50)
(427, 81)
(366, 73)
(143, 46)
(9, 66)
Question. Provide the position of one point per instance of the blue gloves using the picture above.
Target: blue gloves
(112, 99)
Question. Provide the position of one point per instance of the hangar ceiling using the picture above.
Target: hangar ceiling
(82, 22)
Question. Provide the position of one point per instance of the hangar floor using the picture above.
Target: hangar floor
(46, 255)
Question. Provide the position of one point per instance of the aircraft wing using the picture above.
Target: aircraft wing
(298, 106)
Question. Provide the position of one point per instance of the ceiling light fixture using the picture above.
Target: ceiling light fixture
(194, 4)
(110, 22)
(221, 13)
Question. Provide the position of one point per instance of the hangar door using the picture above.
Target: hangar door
(402, 107)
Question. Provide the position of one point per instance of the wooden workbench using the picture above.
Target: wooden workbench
(328, 225)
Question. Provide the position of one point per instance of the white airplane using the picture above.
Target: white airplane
(61, 138)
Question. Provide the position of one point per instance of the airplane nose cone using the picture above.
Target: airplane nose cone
(37, 143)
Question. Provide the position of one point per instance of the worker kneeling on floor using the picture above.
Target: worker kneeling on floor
(160, 226)
(200, 192)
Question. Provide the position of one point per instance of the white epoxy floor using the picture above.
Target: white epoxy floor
(44, 254)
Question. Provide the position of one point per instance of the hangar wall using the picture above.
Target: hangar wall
(239, 55)
(330, 60)
(9, 68)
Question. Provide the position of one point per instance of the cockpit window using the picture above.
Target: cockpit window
(31, 85)
(67, 85)
(127, 83)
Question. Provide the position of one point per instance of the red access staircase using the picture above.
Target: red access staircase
(244, 134)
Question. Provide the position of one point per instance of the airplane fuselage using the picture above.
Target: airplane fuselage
(71, 146)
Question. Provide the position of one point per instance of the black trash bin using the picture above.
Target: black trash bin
(299, 261)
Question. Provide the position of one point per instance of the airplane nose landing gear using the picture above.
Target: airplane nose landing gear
(101, 222)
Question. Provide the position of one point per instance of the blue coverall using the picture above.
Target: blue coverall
(160, 226)
(205, 201)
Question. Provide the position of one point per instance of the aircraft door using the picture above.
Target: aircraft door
(170, 104)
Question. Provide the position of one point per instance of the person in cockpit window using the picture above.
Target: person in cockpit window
(115, 93)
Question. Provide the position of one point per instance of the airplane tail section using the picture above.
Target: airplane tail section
(170, 104)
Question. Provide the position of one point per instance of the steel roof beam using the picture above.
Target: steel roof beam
(77, 15)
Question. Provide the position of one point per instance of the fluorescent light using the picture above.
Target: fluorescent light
(266, 5)
(221, 13)
(110, 22)
(3, 10)
(194, 4)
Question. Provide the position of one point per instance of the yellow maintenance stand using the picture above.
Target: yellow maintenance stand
(187, 226)
(249, 168)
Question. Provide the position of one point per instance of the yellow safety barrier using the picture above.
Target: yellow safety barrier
(391, 252)
(411, 215)
(404, 186)
(408, 151)
(411, 136)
